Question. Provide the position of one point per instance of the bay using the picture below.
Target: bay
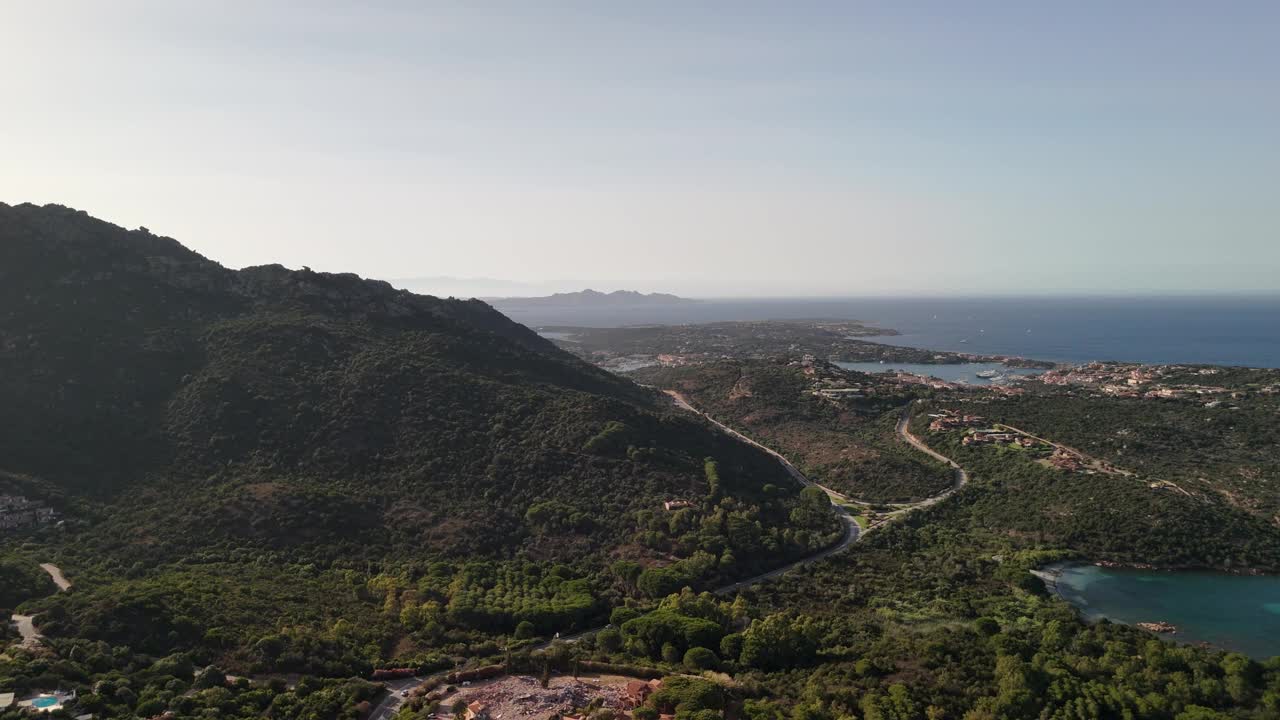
(1233, 612)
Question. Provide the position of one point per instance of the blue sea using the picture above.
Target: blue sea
(1234, 612)
(966, 373)
(1212, 330)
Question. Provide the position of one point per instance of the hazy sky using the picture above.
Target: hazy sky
(781, 148)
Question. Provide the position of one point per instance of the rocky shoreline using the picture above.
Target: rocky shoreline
(1115, 565)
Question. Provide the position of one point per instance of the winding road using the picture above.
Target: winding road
(961, 475)
(388, 706)
(26, 623)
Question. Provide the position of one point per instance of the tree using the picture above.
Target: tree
(986, 626)
(731, 646)
(525, 630)
(1199, 712)
(700, 658)
(712, 470)
(779, 641)
(670, 653)
(210, 677)
(659, 582)
(609, 640)
(627, 571)
(621, 615)
(814, 510)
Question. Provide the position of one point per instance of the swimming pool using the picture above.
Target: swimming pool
(45, 702)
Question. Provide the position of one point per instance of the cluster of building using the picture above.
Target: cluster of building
(1118, 374)
(17, 511)
(954, 420)
(977, 433)
(1141, 381)
(839, 393)
(995, 436)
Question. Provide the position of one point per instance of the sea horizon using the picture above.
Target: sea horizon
(1227, 330)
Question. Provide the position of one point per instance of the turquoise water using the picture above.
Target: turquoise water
(960, 373)
(44, 702)
(1234, 612)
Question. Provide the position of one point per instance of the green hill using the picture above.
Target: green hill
(204, 428)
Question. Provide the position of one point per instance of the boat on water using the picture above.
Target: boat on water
(987, 374)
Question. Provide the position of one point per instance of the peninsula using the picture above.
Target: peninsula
(592, 298)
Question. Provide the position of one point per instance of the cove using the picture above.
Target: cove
(1240, 613)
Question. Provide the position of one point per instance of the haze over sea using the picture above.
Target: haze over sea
(1220, 330)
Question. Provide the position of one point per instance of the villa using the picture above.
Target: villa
(638, 691)
(44, 702)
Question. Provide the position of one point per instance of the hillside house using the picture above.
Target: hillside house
(17, 511)
(638, 692)
(952, 420)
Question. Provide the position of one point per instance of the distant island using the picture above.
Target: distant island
(595, 298)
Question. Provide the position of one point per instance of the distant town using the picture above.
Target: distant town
(623, 349)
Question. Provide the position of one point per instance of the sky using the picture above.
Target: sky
(704, 148)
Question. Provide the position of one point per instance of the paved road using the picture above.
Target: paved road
(852, 534)
(392, 702)
(961, 476)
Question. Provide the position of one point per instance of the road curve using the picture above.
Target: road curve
(961, 475)
(27, 629)
(852, 534)
(26, 624)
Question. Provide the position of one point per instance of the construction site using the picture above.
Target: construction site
(516, 697)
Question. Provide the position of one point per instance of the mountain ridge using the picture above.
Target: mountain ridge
(203, 428)
(591, 297)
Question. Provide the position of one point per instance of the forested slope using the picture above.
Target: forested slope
(201, 427)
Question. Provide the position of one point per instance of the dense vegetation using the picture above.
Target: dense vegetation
(937, 616)
(300, 476)
(291, 470)
(1225, 455)
(21, 579)
(848, 446)
(1109, 517)
(118, 683)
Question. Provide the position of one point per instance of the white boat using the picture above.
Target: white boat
(986, 374)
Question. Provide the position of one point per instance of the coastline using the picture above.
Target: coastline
(1050, 573)
(1190, 610)
(1055, 568)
